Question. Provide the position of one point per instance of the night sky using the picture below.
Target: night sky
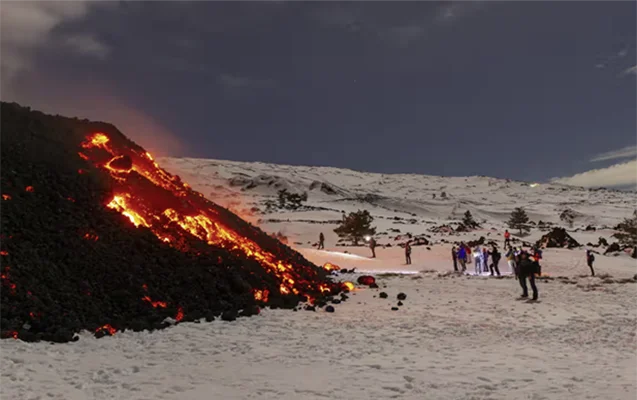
(522, 90)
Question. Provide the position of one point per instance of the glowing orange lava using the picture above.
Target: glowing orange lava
(331, 267)
(180, 314)
(349, 286)
(108, 328)
(160, 304)
(29, 189)
(6, 197)
(151, 197)
(4, 253)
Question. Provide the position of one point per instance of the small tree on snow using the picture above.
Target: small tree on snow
(519, 220)
(627, 234)
(468, 220)
(568, 216)
(355, 226)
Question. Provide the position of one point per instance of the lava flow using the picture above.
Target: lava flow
(152, 198)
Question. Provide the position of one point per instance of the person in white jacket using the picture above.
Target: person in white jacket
(477, 258)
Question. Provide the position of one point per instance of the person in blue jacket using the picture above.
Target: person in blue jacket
(462, 257)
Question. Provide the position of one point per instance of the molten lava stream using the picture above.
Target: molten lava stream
(151, 197)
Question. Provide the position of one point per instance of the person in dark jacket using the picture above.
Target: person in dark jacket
(454, 257)
(408, 253)
(527, 268)
(495, 259)
(462, 256)
(590, 258)
(372, 246)
(321, 244)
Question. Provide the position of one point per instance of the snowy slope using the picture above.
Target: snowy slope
(397, 201)
(455, 337)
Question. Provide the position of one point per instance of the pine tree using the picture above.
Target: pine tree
(519, 220)
(355, 226)
(627, 234)
(468, 220)
(568, 216)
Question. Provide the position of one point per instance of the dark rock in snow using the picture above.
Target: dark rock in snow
(557, 237)
(329, 309)
(383, 295)
(613, 248)
(400, 303)
(401, 296)
(229, 315)
(336, 301)
(394, 308)
(373, 286)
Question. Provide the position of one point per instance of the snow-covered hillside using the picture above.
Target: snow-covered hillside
(400, 203)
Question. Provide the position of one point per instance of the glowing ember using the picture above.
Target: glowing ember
(71, 199)
(348, 286)
(4, 253)
(97, 140)
(324, 289)
(180, 314)
(155, 304)
(29, 189)
(331, 267)
(6, 197)
(14, 335)
(91, 236)
(111, 331)
(261, 295)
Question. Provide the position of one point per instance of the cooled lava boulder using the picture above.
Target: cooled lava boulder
(557, 237)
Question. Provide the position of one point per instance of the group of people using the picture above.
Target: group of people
(523, 264)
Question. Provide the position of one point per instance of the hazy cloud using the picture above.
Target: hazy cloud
(28, 25)
(87, 45)
(625, 152)
(624, 174)
(630, 71)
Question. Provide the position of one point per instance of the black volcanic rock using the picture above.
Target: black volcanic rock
(69, 263)
(557, 237)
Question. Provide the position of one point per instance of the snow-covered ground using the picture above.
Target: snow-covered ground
(454, 337)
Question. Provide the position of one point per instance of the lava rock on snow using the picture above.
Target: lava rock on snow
(92, 268)
(366, 280)
(383, 295)
(401, 296)
(557, 237)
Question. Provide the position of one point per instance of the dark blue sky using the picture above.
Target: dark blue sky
(524, 90)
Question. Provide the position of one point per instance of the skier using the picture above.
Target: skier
(590, 258)
(507, 238)
(462, 256)
(510, 255)
(495, 258)
(527, 268)
(372, 246)
(454, 257)
(407, 253)
(321, 244)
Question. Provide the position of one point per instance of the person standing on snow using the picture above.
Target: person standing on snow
(495, 259)
(462, 256)
(527, 268)
(485, 259)
(454, 257)
(407, 253)
(590, 258)
(510, 255)
(321, 244)
(537, 256)
(507, 238)
(372, 246)
(477, 256)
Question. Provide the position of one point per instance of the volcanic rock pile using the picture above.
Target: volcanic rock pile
(558, 237)
(95, 236)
